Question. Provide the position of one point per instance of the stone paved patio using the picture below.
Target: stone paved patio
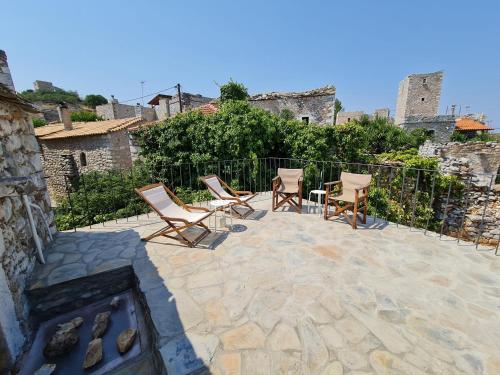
(292, 294)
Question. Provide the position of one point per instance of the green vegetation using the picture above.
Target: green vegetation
(56, 96)
(37, 122)
(85, 116)
(482, 137)
(336, 109)
(93, 100)
(233, 91)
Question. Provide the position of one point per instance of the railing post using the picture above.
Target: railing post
(69, 202)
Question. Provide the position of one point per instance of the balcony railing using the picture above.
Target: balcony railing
(416, 198)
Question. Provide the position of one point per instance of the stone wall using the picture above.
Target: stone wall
(441, 127)
(67, 156)
(418, 95)
(317, 106)
(343, 117)
(115, 111)
(20, 173)
(477, 211)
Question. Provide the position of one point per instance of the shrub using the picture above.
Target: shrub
(85, 116)
(94, 100)
(37, 122)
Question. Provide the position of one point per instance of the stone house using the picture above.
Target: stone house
(26, 218)
(315, 106)
(167, 106)
(115, 110)
(471, 127)
(69, 149)
(343, 117)
(440, 127)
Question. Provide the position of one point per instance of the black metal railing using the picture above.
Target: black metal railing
(417, 198)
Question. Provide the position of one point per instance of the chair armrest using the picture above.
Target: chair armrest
(189, 208)
(243, 192)
(276, 178)
(358, 188)
(332, 183)
(301, 179)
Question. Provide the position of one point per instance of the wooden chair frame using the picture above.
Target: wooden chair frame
(235, 199)
(286, 197)
(349, 206)
(176, 225)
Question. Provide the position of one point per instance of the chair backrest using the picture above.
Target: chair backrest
(350, 181)
(159, 199)
(215, 188)
(290, 178)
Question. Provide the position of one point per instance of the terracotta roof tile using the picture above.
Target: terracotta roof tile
(468, 124)
(82, 129)
(208, 108)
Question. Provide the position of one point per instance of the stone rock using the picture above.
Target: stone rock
(93, 354)
(387, 363)
(247, 336)
(334, 368)
(115, 302)
(284, 337)
(61, 342)
(126, 339)
(46, 369)
(73, 323)
(314, 351)
(100, 324)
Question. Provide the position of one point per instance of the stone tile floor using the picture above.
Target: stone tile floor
(292, 294)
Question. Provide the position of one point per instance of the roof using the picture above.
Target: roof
(83, 129)
(429, 119)
(8, 96)
(208, 108)
(322, 91)
(468, 124)
(156, 99)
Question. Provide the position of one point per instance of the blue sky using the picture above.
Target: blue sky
(362, 47)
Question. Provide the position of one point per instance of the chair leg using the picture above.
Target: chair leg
(355, 217)
(365, 209)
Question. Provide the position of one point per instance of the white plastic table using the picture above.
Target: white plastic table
(319, 193)
(221, 205)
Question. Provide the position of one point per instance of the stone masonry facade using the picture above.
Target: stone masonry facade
(68, 157)
(440, 127)
(115, 110)
(418, 95)
(476, 214)
(21, 174)
(315, 106)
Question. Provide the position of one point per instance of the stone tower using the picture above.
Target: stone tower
(418, 96)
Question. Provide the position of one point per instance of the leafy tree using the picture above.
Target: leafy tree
(337, 107)
(93, 100)
(85, 116)
(233, 91)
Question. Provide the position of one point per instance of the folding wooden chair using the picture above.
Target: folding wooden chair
(287, 185)
(178, 215)
(220, 190)
(354, 190)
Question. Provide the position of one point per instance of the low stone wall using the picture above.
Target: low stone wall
(475, 215)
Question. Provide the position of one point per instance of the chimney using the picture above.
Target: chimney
(65, 116)
(453, 108)
(5, 76)
(138, 111)
(164, 104)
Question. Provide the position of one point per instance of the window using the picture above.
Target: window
(305, 120)
(423, 99)
(348, 119)
(83, 159)
(424, 81)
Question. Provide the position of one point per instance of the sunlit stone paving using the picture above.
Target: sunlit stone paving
(285, 293)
